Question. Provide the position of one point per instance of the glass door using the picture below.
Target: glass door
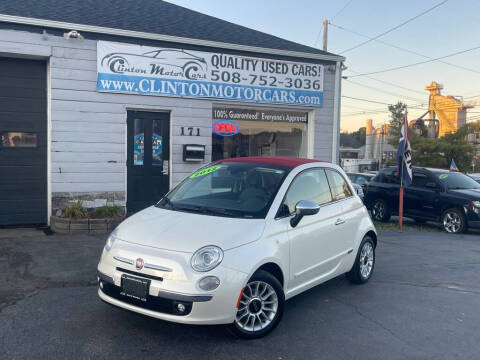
(147, 158)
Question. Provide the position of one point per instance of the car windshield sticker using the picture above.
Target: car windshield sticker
(443, 176)
(206, 171)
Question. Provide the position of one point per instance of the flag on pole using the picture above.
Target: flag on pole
(404, 169)
(453, 166)
(404, 155)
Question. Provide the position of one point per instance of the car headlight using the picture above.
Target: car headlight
(206, 258)
(476, 204)
(111, 239)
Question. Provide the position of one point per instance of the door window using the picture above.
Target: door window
(420, 180)
(138, 142)
(18, 139)
(309, 185)
(339, 186)
(157, 157)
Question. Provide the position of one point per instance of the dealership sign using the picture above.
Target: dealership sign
(136, 69)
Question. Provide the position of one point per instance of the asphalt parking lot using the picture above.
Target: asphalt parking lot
(422, 303)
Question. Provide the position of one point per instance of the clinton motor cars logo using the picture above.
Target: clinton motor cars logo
(225, 127)
(139, 264)
(161, 62)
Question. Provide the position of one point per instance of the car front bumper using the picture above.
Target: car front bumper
(168, 289)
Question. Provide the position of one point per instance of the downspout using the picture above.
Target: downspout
(336, 112)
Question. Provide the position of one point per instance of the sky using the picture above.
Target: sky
(451, 27)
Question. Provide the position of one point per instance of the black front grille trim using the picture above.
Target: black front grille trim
(147, 276)
(153, 303)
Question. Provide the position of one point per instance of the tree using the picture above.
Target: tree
(397, 113)
(354, 139)
(438, 153)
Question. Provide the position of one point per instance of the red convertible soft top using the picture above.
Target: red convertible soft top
(273, 160)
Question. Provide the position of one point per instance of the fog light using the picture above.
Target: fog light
(209, 283)
(180, 308)
(101, 285)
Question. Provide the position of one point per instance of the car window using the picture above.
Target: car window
(420, 179)
(457, 181)
(309, 185)
(388, 176)
(234, 189)
(352, 177)
(361, 180)
(339, 186)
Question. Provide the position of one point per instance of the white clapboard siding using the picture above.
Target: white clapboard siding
(77, 64)
(85, 168)
(87, 187)
(84, 116)
(94, 148)
(92, 124)
(87, 177)
(78, 54)
(71, 157)
(87, 136)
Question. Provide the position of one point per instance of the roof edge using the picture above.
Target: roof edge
(160, 37)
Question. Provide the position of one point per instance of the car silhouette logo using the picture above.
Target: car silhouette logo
(189, 65)
(139, 264)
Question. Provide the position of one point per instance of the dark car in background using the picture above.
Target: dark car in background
(361, 179)
(448, 197)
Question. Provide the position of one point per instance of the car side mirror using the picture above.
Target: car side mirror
(304, 208)
(431, 185)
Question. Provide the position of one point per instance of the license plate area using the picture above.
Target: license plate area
(134, 287)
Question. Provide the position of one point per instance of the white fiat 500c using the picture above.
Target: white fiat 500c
(236, 239)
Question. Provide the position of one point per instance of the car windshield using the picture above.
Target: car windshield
(232, 189)
(457, 181)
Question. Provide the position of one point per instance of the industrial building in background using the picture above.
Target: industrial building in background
(446, 114)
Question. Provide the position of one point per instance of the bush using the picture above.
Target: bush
(75, 211)
(107, 211)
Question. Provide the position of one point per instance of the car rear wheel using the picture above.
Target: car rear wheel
(260, 308)
(454, 221)
(380, 210)
(364, 262)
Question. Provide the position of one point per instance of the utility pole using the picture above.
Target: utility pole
(325, 34)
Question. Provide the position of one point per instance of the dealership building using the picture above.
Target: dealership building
(115, 102)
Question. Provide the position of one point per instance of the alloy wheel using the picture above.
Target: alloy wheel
(366, 260)
(452, 222)
(258, 306)
(378, 210)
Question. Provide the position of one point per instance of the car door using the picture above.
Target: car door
(314, 242)
(421, 197)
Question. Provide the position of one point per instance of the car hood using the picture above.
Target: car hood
(469, 194)
(187, 232)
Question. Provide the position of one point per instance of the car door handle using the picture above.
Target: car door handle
(339, 221)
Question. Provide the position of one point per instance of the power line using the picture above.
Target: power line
(333, 17)
(388, 83)
(417, 63)
(402, 48)
(341, 10)
(370, 101)
(383, 91)
(395, 28)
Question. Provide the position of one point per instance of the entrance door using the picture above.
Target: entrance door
(23, 142)
(147, 158)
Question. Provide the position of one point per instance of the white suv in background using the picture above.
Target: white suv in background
(235, 240)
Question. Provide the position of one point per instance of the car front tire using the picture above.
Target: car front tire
(380, 210)
(260, 307)
(364, 264)
(454, 222)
